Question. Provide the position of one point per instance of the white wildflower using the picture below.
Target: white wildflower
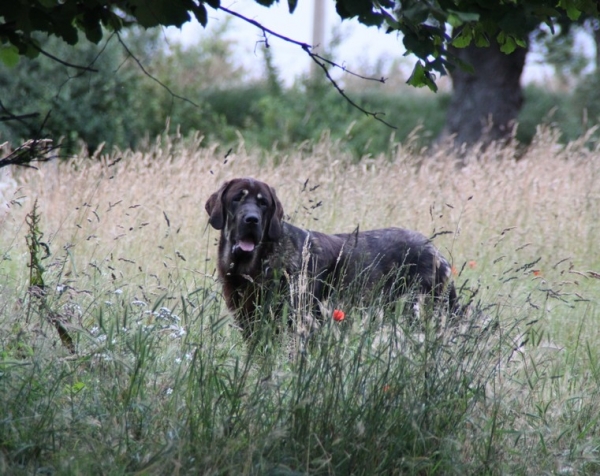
(178, 331)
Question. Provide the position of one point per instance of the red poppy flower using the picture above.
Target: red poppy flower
(338, 315)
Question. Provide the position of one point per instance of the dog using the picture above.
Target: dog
(259, 254)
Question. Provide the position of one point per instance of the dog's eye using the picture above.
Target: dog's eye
(237, 198)
(262, 202)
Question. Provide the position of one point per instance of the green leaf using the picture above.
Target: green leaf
(113, 21)
(150, 13)
(463, 39)
(416, 13)
(481, 39)
(9, 55)
(456, 18)
(454, 21)
(521, 42)
(91, 26)
(31, 49)
(200, 14)
(465, 17)
(292, 5)
(362, 9)
(571, 8)
(421, 77)
(391, 20)
(371, 19)
(508, 46)
(509, 43)
(420, 45)
(544, 11)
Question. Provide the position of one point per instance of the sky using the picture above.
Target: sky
(360, 45)
(360, 49)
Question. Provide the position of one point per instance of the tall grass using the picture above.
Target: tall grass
(161, 381)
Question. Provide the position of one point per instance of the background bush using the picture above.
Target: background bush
(82, 105)
(202, 90)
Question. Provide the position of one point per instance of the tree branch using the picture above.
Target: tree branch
(58, 60)
(163, 85)
(12, 117)
(346, 70)
(374, 115)
(33, 150)
(319, 60)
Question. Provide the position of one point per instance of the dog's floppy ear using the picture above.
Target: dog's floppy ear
(214, 207)
(275, 227)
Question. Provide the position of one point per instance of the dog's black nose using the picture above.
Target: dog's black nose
(251, 218)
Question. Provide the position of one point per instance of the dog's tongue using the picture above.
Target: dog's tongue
(246, 245)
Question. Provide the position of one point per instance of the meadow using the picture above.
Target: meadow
(156, 379)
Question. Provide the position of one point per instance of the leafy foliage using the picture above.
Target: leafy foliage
(265, 114)
(422, 24)
(120, 106)
(94, 107)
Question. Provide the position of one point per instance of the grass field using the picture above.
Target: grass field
(162, 383)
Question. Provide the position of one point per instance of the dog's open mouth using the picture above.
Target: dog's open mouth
(244, 245)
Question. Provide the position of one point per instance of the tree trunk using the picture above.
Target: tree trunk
(485, 104)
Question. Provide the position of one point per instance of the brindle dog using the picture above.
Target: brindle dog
(259, 254)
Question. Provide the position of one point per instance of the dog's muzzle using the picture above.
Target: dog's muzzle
(249, 233)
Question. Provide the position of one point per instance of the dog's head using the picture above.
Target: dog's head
(248, 212)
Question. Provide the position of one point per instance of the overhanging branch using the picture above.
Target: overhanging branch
(64, 63)
(319, 60)
(153, 78)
